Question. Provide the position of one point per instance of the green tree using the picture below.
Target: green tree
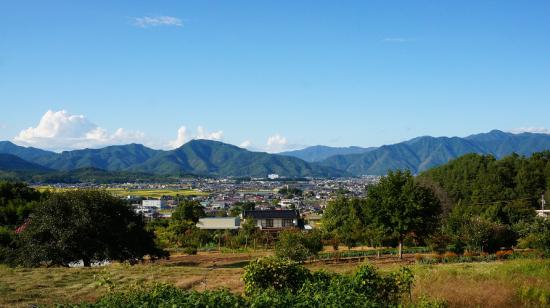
(239, 207)
(345, 219)
(189, 210)
(85, 225)
(17, 200)
(402, 207)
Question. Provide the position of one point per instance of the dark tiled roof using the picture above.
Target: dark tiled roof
(268, 214)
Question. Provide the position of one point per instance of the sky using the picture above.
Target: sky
(270, 75)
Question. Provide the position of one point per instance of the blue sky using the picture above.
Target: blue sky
(294, 72)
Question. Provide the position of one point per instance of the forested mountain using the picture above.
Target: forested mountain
(212, 158)
(12, 163)
(206, 157)
(27, 153)
(111, 158)
(423, 153)
(200, 157)
(318, 153)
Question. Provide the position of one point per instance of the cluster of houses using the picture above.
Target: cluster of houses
(265, 219)
(272, 211)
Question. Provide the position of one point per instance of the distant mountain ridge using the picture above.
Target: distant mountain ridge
(12, 163)
(197, 157)
(213, 158)
(319, 153)
(423, 153)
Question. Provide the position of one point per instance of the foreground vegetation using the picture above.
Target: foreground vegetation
(508, 283)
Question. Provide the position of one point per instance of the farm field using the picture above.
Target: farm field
(145, 193)
(495, 284)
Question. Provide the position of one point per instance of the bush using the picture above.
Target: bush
(190, 250)
(273, 282)
(162, 295)
(298, 246)
(276, 273)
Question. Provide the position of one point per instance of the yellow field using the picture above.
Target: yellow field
(146, 193)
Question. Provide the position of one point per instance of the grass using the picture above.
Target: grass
(22, 287)
(522, 282)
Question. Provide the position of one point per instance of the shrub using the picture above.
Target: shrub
(276, 273)
(366, 288)
(162, 295)
(190, 250)
(298, 246)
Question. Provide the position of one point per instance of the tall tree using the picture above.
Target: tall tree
(401, 207)
(85, 225)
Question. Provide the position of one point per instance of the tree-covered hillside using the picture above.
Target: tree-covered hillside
(482, 179)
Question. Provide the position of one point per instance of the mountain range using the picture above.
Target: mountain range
(423, 153)
(197, 157)
(213, 158)
(319, 153)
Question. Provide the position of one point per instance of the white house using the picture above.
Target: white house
(219, 223)
(160, 204)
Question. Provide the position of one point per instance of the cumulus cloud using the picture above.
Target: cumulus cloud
(537, 130)
(203, 134)
(155, 21)
(276, 143)
(59, 130)
(184, 135)
(180, 139)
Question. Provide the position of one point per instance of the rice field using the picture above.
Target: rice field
(145, 193)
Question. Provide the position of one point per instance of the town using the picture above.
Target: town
(221, 198)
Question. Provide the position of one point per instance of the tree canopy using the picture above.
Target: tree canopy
(402, 207)
(85, 225)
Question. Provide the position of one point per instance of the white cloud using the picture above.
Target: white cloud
(184, 136)
(180, 139)
(245, 144)
(537, 130)
(59, 130)
(276, 143)
(399, 39)
(154, 21)
(203, 134)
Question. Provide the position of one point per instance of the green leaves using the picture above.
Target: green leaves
(85, 225)
(298, 246)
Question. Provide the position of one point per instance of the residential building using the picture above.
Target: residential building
(219, 223)
(274, 220)
(160, 204)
